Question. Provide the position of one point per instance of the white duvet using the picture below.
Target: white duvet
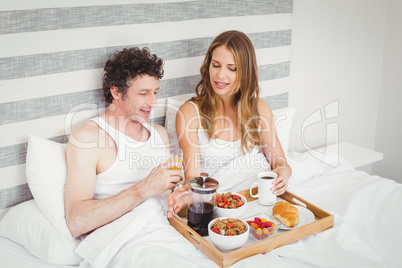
(367, 228)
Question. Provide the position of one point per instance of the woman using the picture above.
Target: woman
(227, 118)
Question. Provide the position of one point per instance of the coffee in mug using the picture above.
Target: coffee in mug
(265, 196)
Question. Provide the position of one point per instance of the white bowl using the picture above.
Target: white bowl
(227, 243)
(231, 212)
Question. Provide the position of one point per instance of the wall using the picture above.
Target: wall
(337, 48)
(52, 56)
(389, 129)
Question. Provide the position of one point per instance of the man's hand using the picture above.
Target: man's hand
(162, 178)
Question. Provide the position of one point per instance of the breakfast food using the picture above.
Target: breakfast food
(261, 228)
(228, 200)
(229, 227)
(286, 213)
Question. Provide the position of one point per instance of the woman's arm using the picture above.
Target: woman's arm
(272, 148)
(187, 125)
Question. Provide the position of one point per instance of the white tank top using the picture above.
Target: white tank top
(133, 163)
(216, 153)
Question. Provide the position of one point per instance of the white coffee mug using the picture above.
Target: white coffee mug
(265, 196)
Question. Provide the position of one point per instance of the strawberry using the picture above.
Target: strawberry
(236, 197)
(229, 234)
(239, 204)
(230, 224)
(215, 230)
(224, 198)
(221, 204)
(226, 205)
(249, 222)
(218, 198)
(256, 219)
(254, 225)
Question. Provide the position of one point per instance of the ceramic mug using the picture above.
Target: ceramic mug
(265, 196)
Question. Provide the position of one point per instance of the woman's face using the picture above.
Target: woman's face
(222, 71)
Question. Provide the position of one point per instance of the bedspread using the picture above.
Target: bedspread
(366, 232)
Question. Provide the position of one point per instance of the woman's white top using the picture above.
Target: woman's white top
(133, 163)
(216, 153)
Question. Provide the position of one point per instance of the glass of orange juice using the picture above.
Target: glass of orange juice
(176, 154)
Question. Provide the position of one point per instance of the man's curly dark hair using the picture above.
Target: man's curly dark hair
(123, 66)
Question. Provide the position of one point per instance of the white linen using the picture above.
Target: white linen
(13, 255)
(28, 227)
(46, 171)
(366, 233)
(241, 172)
(137, 230)
(101, 245)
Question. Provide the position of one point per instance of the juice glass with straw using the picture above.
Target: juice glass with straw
(176, 154)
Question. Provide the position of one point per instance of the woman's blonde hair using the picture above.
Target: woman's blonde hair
(246, 89)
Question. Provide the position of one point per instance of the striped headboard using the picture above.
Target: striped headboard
(52, 54)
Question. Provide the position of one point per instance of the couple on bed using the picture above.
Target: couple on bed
(105, 181)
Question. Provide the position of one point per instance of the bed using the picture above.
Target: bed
(366, 232)
(54, 69)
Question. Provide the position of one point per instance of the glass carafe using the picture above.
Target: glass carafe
(200, 203)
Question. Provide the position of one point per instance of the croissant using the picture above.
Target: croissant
(286, 213)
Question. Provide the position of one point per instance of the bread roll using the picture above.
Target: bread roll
(286, 213)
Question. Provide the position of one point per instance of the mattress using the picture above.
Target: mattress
(366, 231)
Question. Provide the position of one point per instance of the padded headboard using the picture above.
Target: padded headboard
(52, 54)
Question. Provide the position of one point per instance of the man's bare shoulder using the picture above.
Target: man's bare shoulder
(87, 136)
(158, 127)
(162, 133)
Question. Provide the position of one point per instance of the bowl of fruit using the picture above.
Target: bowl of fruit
(228, 233)
(230, 204)
(262, 226)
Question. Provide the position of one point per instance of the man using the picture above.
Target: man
(106, 178)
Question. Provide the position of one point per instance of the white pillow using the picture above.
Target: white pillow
(46, 171)
(26, 225)
(172, 106)
(283, 122)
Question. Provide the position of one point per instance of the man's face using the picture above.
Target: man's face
(140, 98)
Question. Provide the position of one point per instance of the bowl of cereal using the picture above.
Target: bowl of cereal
(230, 204)
(228, 233)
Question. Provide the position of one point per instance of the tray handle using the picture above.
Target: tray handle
(292, 198)
(191, 236)
(298, 202)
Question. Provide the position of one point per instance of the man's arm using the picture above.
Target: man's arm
(83, 213)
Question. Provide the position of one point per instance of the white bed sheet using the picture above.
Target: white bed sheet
(13, 255)
(367, 229)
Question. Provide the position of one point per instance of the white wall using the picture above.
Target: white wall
(337, 48)
(389, 127)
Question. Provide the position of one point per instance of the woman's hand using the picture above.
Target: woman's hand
(282, 181)
(174, 202)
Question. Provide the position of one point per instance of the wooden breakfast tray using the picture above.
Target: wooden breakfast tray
(323, 221)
